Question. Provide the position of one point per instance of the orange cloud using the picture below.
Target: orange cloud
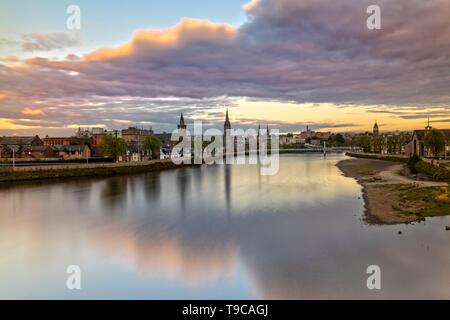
(248, 7)
(187, 31)
(32, 112)
(7, 94)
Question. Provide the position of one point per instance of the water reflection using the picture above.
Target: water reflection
(214, 232)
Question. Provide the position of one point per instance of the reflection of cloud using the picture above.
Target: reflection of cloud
(168, 254)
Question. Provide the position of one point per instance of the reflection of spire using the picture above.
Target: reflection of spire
(227, 179)
(183, 188)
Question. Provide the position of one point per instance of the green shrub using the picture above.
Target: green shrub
(412, 163)
(435, 172)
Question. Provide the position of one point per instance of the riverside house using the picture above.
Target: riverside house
(415, 145)
(69, 152)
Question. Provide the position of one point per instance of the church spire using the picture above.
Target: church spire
(375, 129)
(428, 127)
(227, 124)
(181, 125)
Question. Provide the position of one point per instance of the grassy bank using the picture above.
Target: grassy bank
(391, 197)
(434, 172)
(8, 175)
(422, 202)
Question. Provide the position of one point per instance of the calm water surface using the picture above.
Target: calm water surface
(217, 232)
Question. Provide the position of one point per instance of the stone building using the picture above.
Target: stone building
(134, 135)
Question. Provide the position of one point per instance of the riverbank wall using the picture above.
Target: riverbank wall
(82, 170)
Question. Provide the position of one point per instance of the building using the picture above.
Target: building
(375, 129)
(22, 140)
(286, 139)
(29, 152)
(314, 134)
(415, 145)
(70, 152)
(134, 135)
(42, 152)
(227, 130)
(181, 127)
(20, 146)
(166, 140)
(66, 141)
(135, 153)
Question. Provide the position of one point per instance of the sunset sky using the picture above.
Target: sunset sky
(290, 63)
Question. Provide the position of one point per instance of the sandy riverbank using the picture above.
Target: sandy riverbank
(392, 198)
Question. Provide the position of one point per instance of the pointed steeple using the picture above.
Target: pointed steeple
(181, 125)
(428, 127)
(182, 119)
(227, 124)
(375, 129)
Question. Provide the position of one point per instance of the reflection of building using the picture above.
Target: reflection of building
(134, 135)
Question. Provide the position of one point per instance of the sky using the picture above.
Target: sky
(288, 63)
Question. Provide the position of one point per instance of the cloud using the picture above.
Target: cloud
(299, 51)
(49, 41)
(187, 33)
(249, 7)
(32, 112)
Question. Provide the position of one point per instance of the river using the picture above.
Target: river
(214, 232)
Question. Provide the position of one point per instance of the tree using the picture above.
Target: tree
(20, 148)
(153, 144)
(434, 140)
(394, 143)
(364, 142)
(113, 147)
(378, 143)
(340, 139)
